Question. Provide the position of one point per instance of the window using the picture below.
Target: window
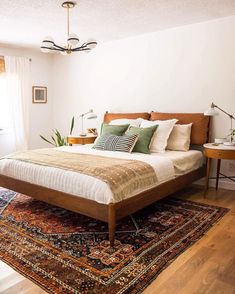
(5, 121)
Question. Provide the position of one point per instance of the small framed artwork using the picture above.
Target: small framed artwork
(39, 94)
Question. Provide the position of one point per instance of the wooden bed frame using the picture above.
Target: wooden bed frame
(112, 212)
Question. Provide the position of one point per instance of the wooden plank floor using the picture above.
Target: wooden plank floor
(206, 267)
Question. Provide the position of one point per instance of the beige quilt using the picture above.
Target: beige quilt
(123, 176)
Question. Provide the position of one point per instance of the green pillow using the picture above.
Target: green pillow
(145, 136)
(117, 130)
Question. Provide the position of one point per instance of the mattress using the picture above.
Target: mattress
(166, 166)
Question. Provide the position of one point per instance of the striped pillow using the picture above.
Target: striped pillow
(116, 143)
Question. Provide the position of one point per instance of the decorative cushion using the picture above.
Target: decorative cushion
(160, 137)
(200, 127)
(117, 130)
(179, 138)
(125, 121)
(111, 116)
(109, 142)
(144, 138)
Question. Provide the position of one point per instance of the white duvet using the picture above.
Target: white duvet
(165, 166)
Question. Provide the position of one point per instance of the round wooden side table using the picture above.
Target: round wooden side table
(217, 151)
(89, 139)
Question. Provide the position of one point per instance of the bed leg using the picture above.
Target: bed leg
(111, 223)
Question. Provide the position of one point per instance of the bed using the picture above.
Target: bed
(63, 188)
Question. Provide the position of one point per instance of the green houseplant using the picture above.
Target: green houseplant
(57, 139)
(231, 135)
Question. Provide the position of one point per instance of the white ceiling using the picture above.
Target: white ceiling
(26, 22)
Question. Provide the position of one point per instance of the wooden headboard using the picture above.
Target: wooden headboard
(200, 122)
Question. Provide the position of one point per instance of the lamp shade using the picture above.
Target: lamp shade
(91, 43)
(45, 49)
(48, 42)
(63, 53)
(91, 115)
(211, 112)
(73, 39)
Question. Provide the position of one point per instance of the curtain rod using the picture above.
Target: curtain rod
(2, 57)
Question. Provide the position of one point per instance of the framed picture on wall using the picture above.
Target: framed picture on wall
(39, 94)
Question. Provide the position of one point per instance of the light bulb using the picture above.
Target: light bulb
(86, 51)
(48, 42)
(45, 49)
(91, 43)
(73, 39)
(63, 52)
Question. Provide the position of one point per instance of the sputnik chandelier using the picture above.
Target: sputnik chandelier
(48, 43)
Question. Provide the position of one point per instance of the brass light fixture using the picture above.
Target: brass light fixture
(48, 43)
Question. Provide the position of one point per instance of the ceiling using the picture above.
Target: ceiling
(26, 22)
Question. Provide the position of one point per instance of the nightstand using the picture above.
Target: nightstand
(214, 151)
(89, 139)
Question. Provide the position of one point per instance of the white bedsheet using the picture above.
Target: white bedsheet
(183, 161)
(165, 167)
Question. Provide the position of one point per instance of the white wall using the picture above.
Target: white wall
(176, 70)
(40, 118)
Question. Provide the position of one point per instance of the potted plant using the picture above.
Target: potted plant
(231, 135)
(57, 139)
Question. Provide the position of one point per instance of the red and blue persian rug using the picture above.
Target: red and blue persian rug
(64, 252)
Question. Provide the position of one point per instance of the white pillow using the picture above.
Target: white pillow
(179, 139)
(161, 135)
(126, 121)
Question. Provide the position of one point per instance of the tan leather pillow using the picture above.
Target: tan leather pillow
(200, 124)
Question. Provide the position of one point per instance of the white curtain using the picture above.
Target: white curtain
(18, 94)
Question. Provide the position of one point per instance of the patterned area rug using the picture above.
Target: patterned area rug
(64, 252)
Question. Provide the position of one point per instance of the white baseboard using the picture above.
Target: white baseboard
(229, 185)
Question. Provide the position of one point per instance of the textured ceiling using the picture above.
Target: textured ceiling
(26, 22)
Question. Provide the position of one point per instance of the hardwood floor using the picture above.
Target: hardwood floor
(206, 267)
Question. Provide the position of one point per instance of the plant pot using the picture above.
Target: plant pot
(229, 143)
